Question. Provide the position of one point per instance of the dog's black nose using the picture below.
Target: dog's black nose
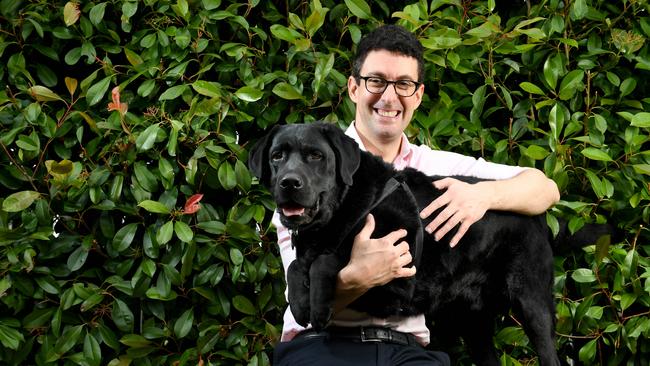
(291, 182)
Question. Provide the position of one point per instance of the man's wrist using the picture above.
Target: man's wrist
(348, 281)
(491, 191)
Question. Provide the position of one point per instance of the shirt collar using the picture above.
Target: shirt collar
(405, 151)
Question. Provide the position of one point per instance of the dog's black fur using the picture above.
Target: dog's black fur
(504, 261)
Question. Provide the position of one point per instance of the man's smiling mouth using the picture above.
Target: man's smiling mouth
(386, 113)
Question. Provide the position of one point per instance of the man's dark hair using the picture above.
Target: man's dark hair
(392, 38)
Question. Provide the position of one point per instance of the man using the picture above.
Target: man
(386, 86)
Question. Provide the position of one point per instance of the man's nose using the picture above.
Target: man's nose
(389, 93)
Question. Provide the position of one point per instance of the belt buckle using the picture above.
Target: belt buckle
(367, 338)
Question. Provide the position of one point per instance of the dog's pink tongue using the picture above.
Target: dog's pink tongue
(293, 211)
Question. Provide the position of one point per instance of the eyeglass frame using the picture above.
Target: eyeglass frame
(394, 82)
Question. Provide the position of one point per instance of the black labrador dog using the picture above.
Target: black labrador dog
(324, 187)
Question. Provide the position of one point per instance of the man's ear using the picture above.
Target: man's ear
(353, 88)
(346, 150)
(258, 158)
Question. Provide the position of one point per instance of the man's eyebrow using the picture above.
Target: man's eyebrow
(383, 76)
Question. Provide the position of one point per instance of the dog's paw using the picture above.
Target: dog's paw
(320, 317)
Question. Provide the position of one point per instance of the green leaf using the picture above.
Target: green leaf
(183, 231)
(19, 201)
(133, 58)
(249, 94)
(135, 341)
(536, 152)
(124, 237)
(184, 323)
(641, 119)
(596, 154)
(556, 121)
(315, 21)
(122, 316)
(359, 8)
(583, 275)
(236, 256)
(207, 88)
(154, 206)
(642, 168)
(43, 94)
(77, 259)
(96, 92)
(96, 13)
(226, 175)
(571, 83)
(284, 33)
(92, 301)
(627, 86)
(286, 91)
(588, 352)
(146, 179)
(244, 305)
(531, 88)
(579, 10)
(92, 351)
(627, 300)
(147, 138)
(173, 92)
(10, 337)
(68, 339)
(164, 235)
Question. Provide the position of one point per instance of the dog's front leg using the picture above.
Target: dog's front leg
(322, 275)
(298, 283)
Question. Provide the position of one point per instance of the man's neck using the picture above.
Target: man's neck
(387, 150)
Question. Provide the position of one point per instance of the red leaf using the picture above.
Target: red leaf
(192, 205)
(116, 105)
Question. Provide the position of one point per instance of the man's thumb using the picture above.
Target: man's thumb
(368, 227)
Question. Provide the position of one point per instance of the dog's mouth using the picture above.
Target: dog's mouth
(294, 214)
(292, 210)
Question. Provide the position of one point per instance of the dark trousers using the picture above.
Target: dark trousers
(325, 351)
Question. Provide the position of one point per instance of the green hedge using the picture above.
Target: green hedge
(104, 259)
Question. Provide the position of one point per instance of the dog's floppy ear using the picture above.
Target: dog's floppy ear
(258, 158)
(347, 151)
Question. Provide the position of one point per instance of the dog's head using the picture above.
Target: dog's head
(305, 166)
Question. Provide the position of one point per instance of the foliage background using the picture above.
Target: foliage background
(101, 262)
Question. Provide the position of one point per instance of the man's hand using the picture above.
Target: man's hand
(464, 204)
(373, 262)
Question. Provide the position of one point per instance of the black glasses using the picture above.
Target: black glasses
(377, 85)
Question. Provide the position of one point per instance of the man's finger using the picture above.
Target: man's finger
(368, 227)
(442, 217)
(406, 272)
(462, 229)
(447, 227)
(394, 236)
(433, 206)
(443, 183)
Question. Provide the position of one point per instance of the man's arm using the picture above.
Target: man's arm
(529, 193)
(373, 262)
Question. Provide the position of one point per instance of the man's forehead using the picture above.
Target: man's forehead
(389, 64)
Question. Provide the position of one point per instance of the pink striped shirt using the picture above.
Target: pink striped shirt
(431, 162)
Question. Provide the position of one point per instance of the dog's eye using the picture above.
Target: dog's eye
(315, 155)
(277, 155)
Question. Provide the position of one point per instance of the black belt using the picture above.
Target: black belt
(363, 334)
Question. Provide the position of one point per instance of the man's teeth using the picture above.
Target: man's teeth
(387, 113)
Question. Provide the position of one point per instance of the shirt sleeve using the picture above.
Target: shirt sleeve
(287, 253)
(445, 163)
